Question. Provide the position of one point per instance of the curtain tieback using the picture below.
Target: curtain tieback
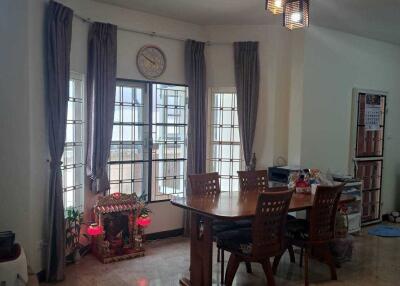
(55, 164)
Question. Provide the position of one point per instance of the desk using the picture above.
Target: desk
(225, 206)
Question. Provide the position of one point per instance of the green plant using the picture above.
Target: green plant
(74, 221)
(144, 210)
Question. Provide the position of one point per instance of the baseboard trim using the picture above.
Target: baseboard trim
(41, 276)
(164, 234)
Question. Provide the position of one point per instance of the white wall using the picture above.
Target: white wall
(24, 170)
(335, 63)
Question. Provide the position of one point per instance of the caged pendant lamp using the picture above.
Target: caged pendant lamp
(275, 6)
(296, 14)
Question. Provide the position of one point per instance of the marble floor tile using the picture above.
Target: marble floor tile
(376, 262)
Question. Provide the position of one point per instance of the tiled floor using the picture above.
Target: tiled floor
(376, 261)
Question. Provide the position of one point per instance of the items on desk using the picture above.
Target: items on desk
(305, 181)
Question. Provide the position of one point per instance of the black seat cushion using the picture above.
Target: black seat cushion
(297, 229)
(236, 240)
(221, 225)
(243, 223)
(246, 223)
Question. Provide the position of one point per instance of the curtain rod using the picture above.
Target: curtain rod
(151, 34)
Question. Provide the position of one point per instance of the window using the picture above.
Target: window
(225, 155)
(128, 153)
(73, 156)
(148, 149)
(169, 128)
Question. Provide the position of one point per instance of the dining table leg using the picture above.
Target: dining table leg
(200, 251)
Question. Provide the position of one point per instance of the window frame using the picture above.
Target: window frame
(210, 120)
(148, 142)
(73, 75)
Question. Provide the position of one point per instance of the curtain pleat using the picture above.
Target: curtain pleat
(247, 77)
(195, 73)
(58, 47)
(101, 84)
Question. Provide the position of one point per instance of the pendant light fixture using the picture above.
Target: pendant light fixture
(275, 6)
(296, 14)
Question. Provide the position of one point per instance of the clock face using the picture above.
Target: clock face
(151, 62)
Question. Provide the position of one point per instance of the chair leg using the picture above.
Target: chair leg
(222, 266)
(306, 258)
(329, 260)
(231, 269)
(275, 264)
(301, 256)
(218, 254)
(291, 254)
(268, 272)
(248, 267)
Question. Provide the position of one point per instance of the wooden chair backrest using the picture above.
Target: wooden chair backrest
(268, 229)
(253, 180)
(323, 213)
(205, 184)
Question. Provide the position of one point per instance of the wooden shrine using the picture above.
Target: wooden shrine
(119, 236)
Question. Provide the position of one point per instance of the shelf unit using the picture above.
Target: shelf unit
(354, 208)
(367, 145)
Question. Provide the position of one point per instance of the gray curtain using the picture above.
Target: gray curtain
(58, 47)
(101, 82)
(195, 73)
(247, 77)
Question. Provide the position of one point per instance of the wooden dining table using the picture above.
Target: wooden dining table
(227, 206)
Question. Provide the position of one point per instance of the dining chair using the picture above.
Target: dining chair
(207, 184)
(314, 236)
(258, 181)
(253, 180)
(265, 238)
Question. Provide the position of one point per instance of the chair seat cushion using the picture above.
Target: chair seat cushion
(297, 229)
(243, 223)
(237, 240)
(220, 226)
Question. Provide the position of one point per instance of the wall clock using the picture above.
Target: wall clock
(151, 62)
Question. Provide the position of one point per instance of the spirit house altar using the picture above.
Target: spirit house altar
(118, 234)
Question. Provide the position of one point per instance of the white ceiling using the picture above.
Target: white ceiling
(377, 19)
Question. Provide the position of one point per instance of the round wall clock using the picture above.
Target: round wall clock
(151, 62)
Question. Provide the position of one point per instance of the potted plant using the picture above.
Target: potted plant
(144, 214)
(73, 223)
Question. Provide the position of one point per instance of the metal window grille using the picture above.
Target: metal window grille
(225, 149)
(148, 149)
(73, 156)
(128, 155)
(169, 129)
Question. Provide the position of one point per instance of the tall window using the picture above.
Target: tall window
(73, 158)
(225, 155)
(128, 155)
(148, 149)
(169, 128)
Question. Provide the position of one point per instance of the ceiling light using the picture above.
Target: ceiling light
(275, 6)
(296, 14)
